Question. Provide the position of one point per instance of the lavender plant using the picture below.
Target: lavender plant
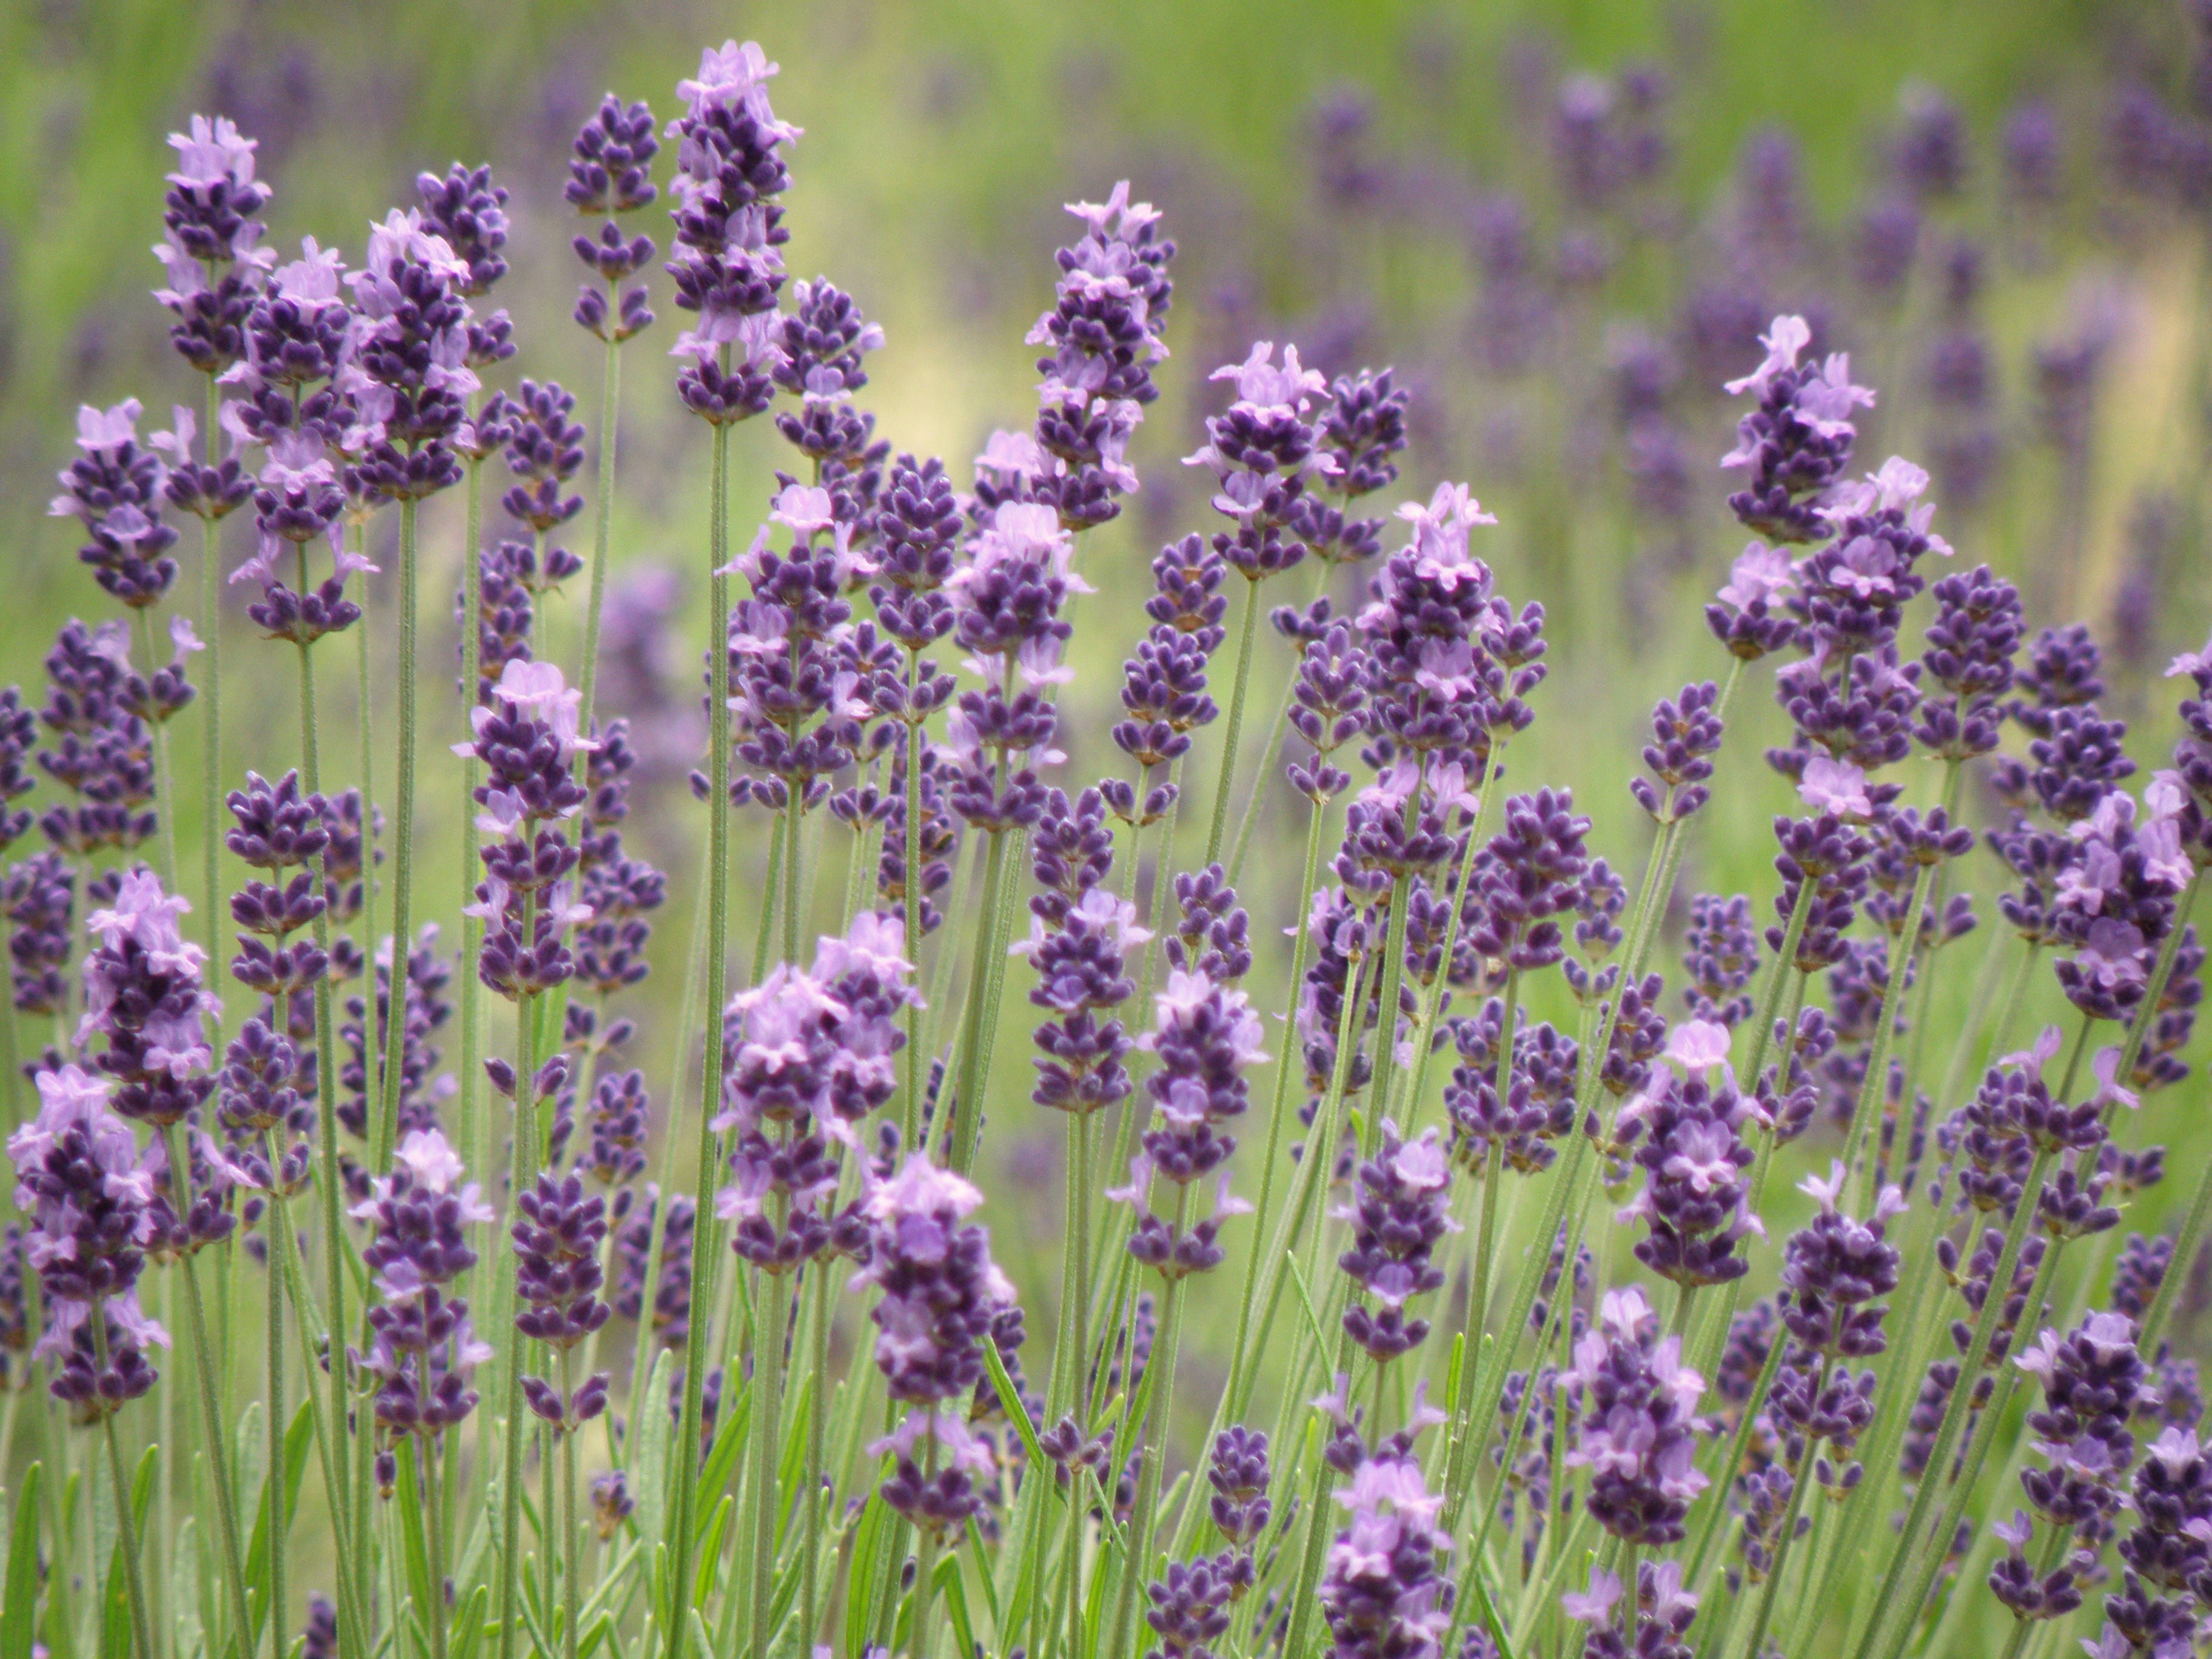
(745, 1373)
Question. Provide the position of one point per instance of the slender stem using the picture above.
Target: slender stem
(771, 1310)
(910, 898)
(211, 1425)
(1784, 960)
(2014, 994)
(211, 909)
(326, 1099)
(358, 1477)
(917, 1629)
(1717, 1510)
(524, 1156)
(127, 1521)
(387, 1127)
(1931, 1546)
(817, 1429)
(1425, 1029)
(683, 1494)
(158, 735)
(572, 1544)
(1234, 728)
(602, 529)
(1804, 1478)
(437, 1617)
(475, 1117)
(274, 1424)
(1286, 1065)
(982, 1009)
(1150, 1452)
(1501, 1083)
(1874, 1088)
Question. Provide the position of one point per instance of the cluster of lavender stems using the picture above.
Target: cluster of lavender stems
(1447, 1414)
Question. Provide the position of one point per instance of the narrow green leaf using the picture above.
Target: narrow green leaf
(952, 1586)
(19, 1589)
(983, 1572)
(414, 1543)
(596, 1632)
(184, 1591)
(710, 1551)
(1011, 1398)
(468, 1631)
(648, 1469)
(1306, 1301)
(727, 1446)
(299, 1439)
(863, 1588)
(115, 1638)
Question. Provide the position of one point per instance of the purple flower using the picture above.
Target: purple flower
(939, 1294)
(1402, 1209)
(728, 266)
(100, 749)
(1797, 441)
(558, 1233)
(1103, 334)
(143, 999)
(1638, 1435)
(92, 1204)
(423, 1351)
(209, 250)
(1382, 1589)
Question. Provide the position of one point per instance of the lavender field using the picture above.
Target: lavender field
(1106, 836)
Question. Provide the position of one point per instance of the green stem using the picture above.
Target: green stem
(765, 1419)
(474, 1117)
(682, 1497)
(1152, 1454)
(1286, 1062)
(273, 1481)
(437, 1617)
(212, 906)
(1803, 1473)
(348, 1604)
(910, 901)
(1716, 1510)
(1874, 1088)
(1912, 1542)
(525, 1158)
(1784, 961)
(818, 1431)
(602, 528)
(386, 1128)
(211, 1425)
(1235, 726)
(572, 1544)
(918, 1631)
(127, 1521)
(359, 1477)
(982, 1009)
(1425, 1029)
(158, 735)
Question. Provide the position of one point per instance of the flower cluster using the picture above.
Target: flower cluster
(422, 1350)
(1639, 1433)
(1203, 1038)
(940, 1293)
(611, 174)
(1079, 937)
(527, 742)
(809, 1056)
(728, 266)
(1109, 310)
(1402, 1209)
(90, 1198)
